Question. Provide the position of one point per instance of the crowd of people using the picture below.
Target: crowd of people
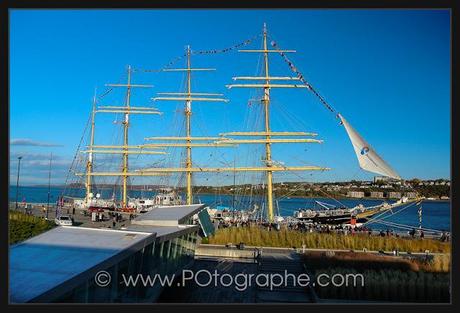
(327, 229)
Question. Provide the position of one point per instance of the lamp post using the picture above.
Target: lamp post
(49, 187)
(17, 181)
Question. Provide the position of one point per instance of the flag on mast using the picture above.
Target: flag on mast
(368, 158)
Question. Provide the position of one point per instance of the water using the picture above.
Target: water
(436, 214)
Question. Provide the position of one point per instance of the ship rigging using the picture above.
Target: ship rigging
(267, 83)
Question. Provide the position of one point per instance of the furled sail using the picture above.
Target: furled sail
(368, 159)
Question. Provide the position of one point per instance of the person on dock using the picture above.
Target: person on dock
(256, 255)
(443, 237)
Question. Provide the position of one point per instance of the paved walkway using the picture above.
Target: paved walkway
(79, 218)
(191, 292)
(282, 263)
(268, 263)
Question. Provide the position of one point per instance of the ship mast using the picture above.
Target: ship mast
(89, 164)
(261, 137)
(125, 139)
(266, 103)
(188, 115)
(188, 96)
(268, 153)
(125, 149)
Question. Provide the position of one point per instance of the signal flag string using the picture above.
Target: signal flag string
(200, 52)
(177, 59)
(302, 78)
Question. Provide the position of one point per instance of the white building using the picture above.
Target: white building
(410, 194)
(394, 195)
(376, 194)
(355, 194)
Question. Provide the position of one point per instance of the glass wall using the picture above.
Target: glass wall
(165, 258)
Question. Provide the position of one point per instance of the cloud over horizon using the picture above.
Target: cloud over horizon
(30, 142)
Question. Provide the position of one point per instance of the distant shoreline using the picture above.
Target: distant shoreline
(230, 194)
(295, 197)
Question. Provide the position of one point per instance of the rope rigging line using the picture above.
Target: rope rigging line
(324, 192)
(302, 78)
(75, 157)
(407, 226)
(200, 52)
(236, 46)
(376, 218)
(110, 89)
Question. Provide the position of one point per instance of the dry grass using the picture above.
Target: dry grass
(256, 236)
(439, 264)
(357, 261)
(386, 278)
(368, 261)
(389, 285)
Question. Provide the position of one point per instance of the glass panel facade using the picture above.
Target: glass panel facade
(164, 258)
(205, 222)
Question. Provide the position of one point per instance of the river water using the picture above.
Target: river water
(435, 214)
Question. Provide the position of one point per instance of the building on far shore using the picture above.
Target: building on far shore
(411, 194)
(376, 194)
(355, 194)
(381, 179)
(394, 195)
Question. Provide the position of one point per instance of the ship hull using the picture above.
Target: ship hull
(328, 220)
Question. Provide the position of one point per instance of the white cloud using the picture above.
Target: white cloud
(30, 142)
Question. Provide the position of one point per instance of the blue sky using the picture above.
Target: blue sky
(386, 71)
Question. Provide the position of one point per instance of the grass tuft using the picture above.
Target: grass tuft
(23, 226)
(256, 236)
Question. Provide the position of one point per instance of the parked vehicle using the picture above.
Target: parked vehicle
(63, 220)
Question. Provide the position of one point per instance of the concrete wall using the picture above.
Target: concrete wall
(223, 252)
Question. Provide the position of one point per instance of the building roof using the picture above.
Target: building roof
(164, 233)
(42, 264)
(168, 215)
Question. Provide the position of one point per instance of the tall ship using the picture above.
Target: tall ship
(94, 198)
(260, 201)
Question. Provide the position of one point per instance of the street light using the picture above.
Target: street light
(49, 187)
(17, 181)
